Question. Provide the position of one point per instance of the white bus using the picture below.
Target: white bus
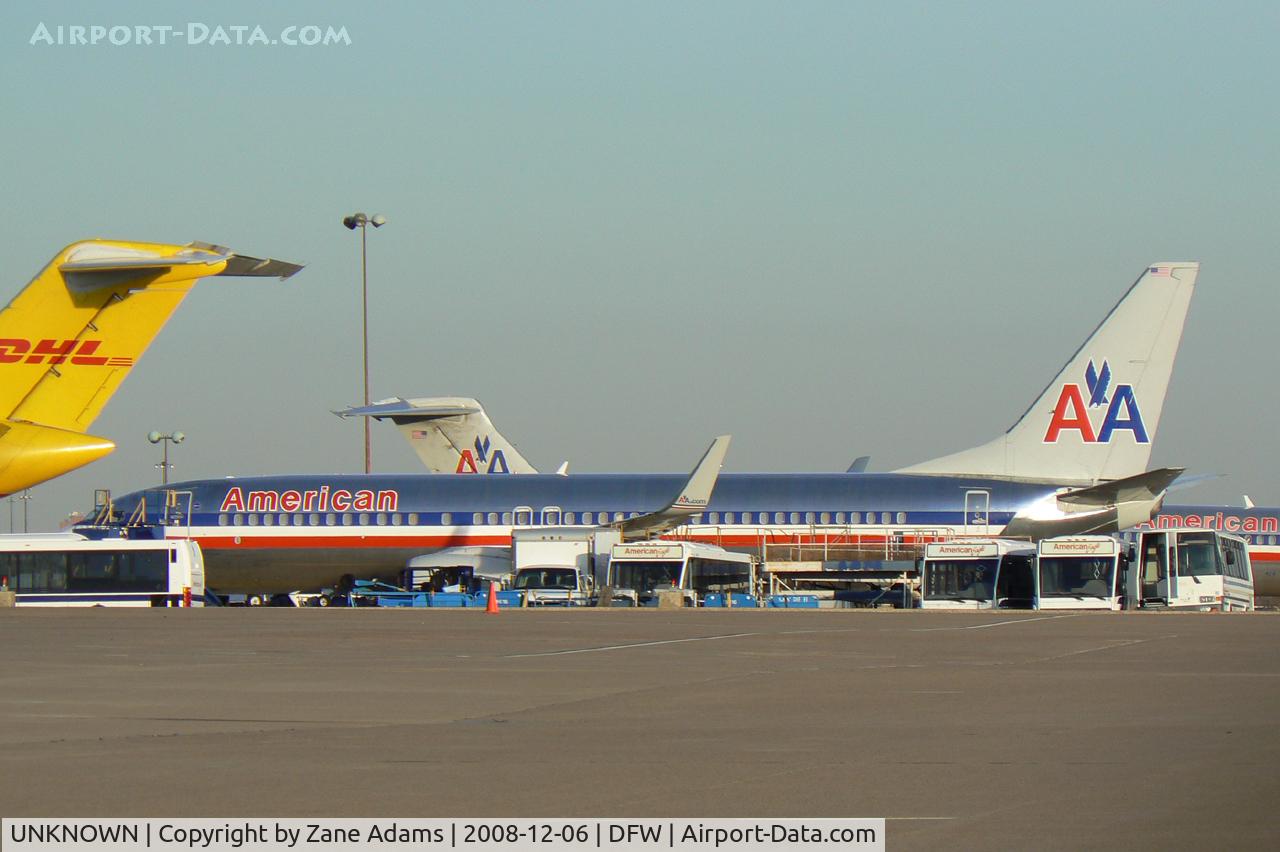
(979, 574)
(1080, 572)
(638, 571)
(71, 570)
(1190, 568)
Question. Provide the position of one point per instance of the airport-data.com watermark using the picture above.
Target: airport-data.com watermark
(190, 34)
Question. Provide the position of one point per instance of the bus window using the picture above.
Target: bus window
(1198, 555)
(645, 576)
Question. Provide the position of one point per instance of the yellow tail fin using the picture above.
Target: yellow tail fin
(72, 335)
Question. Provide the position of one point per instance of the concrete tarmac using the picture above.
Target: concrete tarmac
(1002, 730)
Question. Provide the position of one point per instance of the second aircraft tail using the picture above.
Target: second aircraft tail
(1097, 419)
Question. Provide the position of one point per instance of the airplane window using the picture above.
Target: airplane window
(570, 517)
(268, 520)
(840, 517)
(477, 518)
(283, 520)
(491, 518)
(314, 520)
(884, 517)
(395, 520)
(413, 519)
(330, 519)
(222, 520)
(346, 519)
(795, 517)
(634, 515)
(363, 519)
(617, 516)
(382, 518)
(253, 520)
(855, 517)
(297, 520)
(713, 518)
(506, 517)
(1271, 539)
(902, 518)
(808, 517)
(762, 518)
(825, 517)
(237, 520)
(602, 517)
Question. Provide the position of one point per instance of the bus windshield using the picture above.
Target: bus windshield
(960, 579)
(1076, 576)
(644, 577)
(1198, 555)
(547, 578)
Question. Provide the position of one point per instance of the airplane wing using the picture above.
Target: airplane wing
(692, 499)
(859, 465)
(1144, 486)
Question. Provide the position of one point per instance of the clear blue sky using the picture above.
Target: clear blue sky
(629, 227)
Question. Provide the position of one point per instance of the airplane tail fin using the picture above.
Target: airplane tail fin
(1098, 417)
(449, 434)
(72, 335)
(75, 331)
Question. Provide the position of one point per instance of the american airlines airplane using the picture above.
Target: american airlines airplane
(72, 335)
(1075, 461)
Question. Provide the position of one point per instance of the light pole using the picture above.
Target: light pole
(361, 221)
(158, 437)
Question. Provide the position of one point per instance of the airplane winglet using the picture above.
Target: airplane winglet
(859, 465)
(692, 499)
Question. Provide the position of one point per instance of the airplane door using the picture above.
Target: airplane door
(977, 507)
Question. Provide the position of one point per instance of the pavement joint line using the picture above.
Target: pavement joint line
(996, 623)
(1124, 643)
(631, 645)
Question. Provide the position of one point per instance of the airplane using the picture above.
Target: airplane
(466, 444)
(1074, 462)
(72, 335)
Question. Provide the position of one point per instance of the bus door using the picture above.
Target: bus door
(1015, 583)
(1159, 581)
(977, 506)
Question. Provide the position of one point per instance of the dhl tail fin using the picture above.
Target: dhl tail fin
(72, 335)
(1097, 419)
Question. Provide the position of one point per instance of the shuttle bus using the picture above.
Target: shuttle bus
(71, 570)
(1190, 568)
(980, 574)
(638, 571)
(1080, 572)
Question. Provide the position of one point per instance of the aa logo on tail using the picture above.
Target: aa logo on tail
(1073, 414)
(469, 462)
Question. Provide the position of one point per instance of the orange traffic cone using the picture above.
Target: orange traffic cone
(492, 605)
